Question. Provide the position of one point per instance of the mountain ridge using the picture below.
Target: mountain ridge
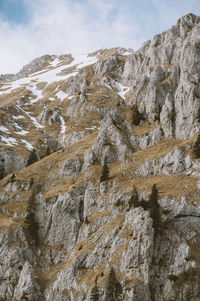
(63, 227)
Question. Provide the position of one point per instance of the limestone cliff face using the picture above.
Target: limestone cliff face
(61, 119)
(165, 76)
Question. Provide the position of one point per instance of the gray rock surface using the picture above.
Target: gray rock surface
(61, 227)
(165, 72)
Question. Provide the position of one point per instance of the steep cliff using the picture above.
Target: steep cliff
(69, 233)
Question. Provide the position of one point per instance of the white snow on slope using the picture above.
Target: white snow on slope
(83, 60)
(18, 117)
(22, 133)
(14, 85)
(28, 145)
(35, 122)
(33, 119)
(61, 95)
(33, 89)
(9, 141)
(17, 126)
(122, 90)
(70, 97)
(63, 126)
(109, 87)
(80, 61)
(92, 128)
(55, 62)
(4, 129)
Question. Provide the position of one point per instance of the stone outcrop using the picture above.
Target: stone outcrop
(63, 228)
(164, 74)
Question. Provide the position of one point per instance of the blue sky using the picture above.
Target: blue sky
(30, 28)
(14, 11)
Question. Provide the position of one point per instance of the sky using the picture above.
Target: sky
(31, 28)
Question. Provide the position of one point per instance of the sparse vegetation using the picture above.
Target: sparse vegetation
(154, 208)
(105, 172)
(12, 178)
(113, 288)
(88, 225)
(87, 221)
(95, 292)
(31, 182)
(32, 158)
(32, 226)
(196, 148)
(48, 152)
(2, 172)
(133, 201)
(136, 116)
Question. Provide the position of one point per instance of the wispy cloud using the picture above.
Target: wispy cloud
(64, 26)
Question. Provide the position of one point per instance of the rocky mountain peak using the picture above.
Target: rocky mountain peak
(99, 173)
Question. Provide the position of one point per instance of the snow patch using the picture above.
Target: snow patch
(63, 126)
(28, 145)
(85, 60)
(122, 90)
(4, 129)
(55, 62)
(9, 141)
(61, 95)
(70, 97)
(22, 133)
(35, 122)
(109, 87)
(92, 128)
(33, 89)
(18, 117)
(17, 126)
(49, 76)
(33, 119)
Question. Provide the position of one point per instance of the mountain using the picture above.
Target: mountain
(100, 173)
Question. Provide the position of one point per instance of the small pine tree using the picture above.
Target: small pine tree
(32, 226)
(87, 221)
(113, 288)
(133, 201)
(12, 178)
(32, 158)
(154, 208)
(95, 292)
(136, 116)
(2, 172)
(153, 198)
(31, 182)
(198, 115)
(105, 172)
(196, 148)
(48, 152)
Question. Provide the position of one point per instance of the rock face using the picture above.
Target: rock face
(164, 74)
(62, 120)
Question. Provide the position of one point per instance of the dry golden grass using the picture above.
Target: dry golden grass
(8, 222)
(15, 207)
(168, 66)
(94, 217)
(165, 80)
(144, 128)
(48, 171)
(47, 278)
(12, 97)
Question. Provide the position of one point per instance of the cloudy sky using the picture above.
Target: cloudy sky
(31, 28)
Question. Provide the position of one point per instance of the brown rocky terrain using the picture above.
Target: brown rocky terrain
(62, 120)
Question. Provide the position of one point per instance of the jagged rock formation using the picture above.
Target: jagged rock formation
(61, 226)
